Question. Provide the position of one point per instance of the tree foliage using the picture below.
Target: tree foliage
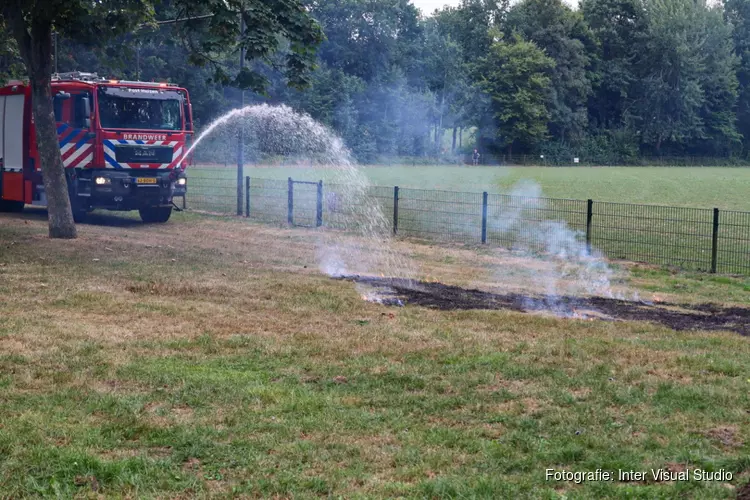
(564, 37)
(628, 77)
(515, 76)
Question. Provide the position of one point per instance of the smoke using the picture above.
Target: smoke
(560, 263)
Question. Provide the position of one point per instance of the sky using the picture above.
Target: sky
(428, 6)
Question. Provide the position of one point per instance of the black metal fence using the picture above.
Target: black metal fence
(709, 240)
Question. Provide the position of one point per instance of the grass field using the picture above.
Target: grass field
(680, 237)
(709, 187)
(209, 358)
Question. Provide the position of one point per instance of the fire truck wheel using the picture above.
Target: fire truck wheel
(79, 215)
(155, 214)
(11, 206)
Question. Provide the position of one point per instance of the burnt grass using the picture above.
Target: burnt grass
(706, 316)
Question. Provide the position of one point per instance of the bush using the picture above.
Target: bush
(610, 148)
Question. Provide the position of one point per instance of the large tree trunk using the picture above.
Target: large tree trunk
(35, 44)
(60, 216)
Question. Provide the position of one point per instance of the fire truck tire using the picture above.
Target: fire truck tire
(11, 206)
(155, 214)
(79, 211)
(79, 215)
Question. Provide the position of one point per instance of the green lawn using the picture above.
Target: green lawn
(208, 358)
(708, 187)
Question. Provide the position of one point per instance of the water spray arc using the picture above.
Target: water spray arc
(361, 241)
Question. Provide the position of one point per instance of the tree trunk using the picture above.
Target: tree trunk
(460, 137)
(36, 50)
(59, 213)
(453, 146)
(439, 134)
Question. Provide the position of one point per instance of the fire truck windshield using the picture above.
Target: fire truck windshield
(142, 109)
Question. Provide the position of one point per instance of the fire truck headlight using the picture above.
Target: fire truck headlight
(181, 181)
(101, 181)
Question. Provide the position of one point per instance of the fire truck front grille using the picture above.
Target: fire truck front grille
(128, 153)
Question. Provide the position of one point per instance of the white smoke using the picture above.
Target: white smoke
(330, 262)
(560, 263)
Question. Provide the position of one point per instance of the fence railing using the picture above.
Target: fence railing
(701, 239)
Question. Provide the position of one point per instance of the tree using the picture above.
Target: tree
(565, 38)
(10, 61)
(688, 86)
(737, 13)
(720, 87)
(619, 27)
(469, 25)
(515, 74)
(365, 38)
(443, 71)
(93, 23)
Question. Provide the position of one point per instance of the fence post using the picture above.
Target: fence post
(319, 206)
(184, 201)
(484, 217)
(589, 217)
(715, 241)
(290, 202)
(247, 196)
(395, 210)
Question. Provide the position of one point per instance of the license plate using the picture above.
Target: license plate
(144, 153)
(145, 180)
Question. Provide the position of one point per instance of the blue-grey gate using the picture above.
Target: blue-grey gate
(305, 203)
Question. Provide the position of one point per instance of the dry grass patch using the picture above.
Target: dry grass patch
(209, 356)
(727, 436)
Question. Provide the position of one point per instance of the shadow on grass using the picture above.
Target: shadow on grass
(96, 218)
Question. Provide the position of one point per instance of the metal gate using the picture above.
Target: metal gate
(305, 203)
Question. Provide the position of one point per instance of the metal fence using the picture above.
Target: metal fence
(709, 240)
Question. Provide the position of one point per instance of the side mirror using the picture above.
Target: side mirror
(189, 121)
(86, 104)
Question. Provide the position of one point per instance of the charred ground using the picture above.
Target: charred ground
(678, 316)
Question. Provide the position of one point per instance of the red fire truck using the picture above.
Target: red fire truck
(123, 145)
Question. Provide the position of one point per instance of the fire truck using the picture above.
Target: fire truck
(123, 145)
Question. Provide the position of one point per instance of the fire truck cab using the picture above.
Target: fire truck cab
(123, 145)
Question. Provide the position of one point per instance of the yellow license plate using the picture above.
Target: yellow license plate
(146, 180)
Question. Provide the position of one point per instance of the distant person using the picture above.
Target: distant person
(475, 158)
